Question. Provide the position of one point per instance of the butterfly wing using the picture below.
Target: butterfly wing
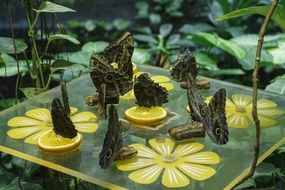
(65, 98)
(148, 93)
(218, 130)
(62, 125)
(113, 139)
(121, 51)
(185, 64)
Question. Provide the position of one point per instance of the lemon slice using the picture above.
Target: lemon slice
(145, 116)
(51, 142)
(188, 109)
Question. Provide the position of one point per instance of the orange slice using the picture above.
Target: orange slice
(145, 116)
(51, 142)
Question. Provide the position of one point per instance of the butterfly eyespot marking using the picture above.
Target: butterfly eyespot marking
(109, 78)
(184, 66)
(218, 131)
(109, 153)
(149, 91)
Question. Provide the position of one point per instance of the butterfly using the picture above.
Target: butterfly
(186, 63)
(148, 93)
(212, 115)
(113, 143)
(109, 81)
(62, 125)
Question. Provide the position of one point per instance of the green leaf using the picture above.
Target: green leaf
(247, 184)
(6, 103)
(278, 87)
(173, 39)
(89, 25)
(226, 45)
(63, 37)
(49, 7)
(145, 38)
(30, 92)
(121, 24)
(226, 72)
(141, 56)
(195, 28)
(278, 15)
(65, 65)
(94, 47)
(14, 185)
(203, 59)
(7, 46)
(165, 29)
(142, 7)
(154, 18)
(80, 57)
(278, 53)
(10, 68)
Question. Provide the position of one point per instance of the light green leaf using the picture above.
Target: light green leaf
(140, 56)
(278, 87)
(30, 92)
(173, 40)
(226, 72)
(165, 29)
(121, 24)
(154, 18)
(65, 65)
(226, 45)
(7, 46)
(278, 15)
(195, 28)
(89, 25)
(81, 57)
(145, 38)
(63, 37)
(10, 68)
(203, 59)
(49, 7)
(94, 47)
(278, 53)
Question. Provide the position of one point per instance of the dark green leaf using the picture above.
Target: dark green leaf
(145, 38)
(247, 184)
(14, 185)
(7, 46)
(278, 15)
(49, 7)
(165, 29)
(63, 37)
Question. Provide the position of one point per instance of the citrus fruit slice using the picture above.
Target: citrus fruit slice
(51, 142)
(145, 116)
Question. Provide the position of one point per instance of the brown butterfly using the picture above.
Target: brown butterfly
(112, 82)
(212, 115)
(148, 93)
(62, 125)
(186, 63)
(113, 143)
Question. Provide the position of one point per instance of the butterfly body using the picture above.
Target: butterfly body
(212, 115)
(62, 125)
(148, 93)
(186, 131)
(113, 143)
(109, 81)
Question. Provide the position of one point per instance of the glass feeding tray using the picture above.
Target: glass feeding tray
(235, 157)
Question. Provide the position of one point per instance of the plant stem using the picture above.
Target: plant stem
(255, 78)
(15, 51)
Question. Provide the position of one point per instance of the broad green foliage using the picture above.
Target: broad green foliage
(226, 45)
(7, 46)
(10, 68)
(63, 37)
(94, 47)
(50, 7)
(278, 16)
(278, 85)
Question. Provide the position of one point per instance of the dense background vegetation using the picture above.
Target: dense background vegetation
(53, 41)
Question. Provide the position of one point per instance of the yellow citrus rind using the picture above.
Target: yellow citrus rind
(50, 142)
(145, 116)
